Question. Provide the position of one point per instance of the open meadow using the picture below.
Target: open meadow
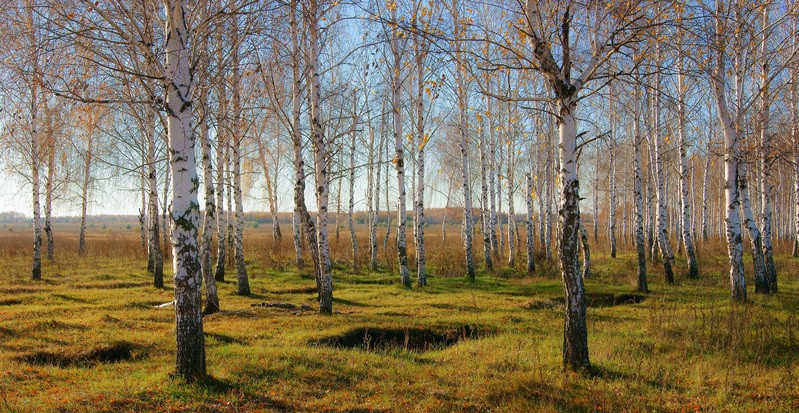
(90, 336)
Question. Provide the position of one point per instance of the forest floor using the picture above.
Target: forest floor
(91, 337)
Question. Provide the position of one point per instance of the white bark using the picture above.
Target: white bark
(238, 136)
(399, 155)
(660, 177)
(485, 218)
(351, 203)
(511, 209)
(731, 169)
(685, 215)
(421, 143)
(462, 106)
(84, 196)
(190, 360)
(638, 194)
(209, 218)
(320, 165)
(36, 272)
(530, 227)
(768, 283)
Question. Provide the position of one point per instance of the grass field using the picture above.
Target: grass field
(90, 337)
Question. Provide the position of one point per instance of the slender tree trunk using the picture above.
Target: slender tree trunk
(462, 115)
(660, 178)
(238, 135)
(221, 165)
(206, 246)
(320, 166)
(49, 183)
(638, 195)
(155, 261)
(351, 204)
(421, 270)
(612, 211)
(143, 210)
(706, 188)
(492, 175)
(575, 339)
(378, 168)
(685, 216)
(190, 360)
(370, 190)
(399, 156)
(731, 176)
(586, 251)
(36, 270)
(549, 179)
(530, 227)
(485, 217)
(511, 209)
(84, 198)
(768, 283)
(596, 204)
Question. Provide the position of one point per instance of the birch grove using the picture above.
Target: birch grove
(654, 125)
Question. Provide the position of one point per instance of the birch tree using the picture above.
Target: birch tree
(399, 153)
(624, 23)
(190, 359)
(320, 162)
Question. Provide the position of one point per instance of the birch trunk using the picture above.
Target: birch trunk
(492, 174)
(190, 360)
(485, 217)
(612, 211)
(378, 168)
(155, 261)
(638, 194)
(399, 156)
(221, 164)
(530, 227)
(549, 179)
(84, 196)
(685, 216)
(731, 172)
(421, 270)
(49, 183)
(351, 204)
(511, 209)
(206, 245)
(575, 339)
(596, 205)
(467, 194)
(705, 188)
(794, 99)
(768, 284)
(36, 270)
(238, 135)
(370, 188)
(660, 177)
(320, 166)
(586, 251)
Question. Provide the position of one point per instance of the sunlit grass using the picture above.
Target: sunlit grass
(684, 348)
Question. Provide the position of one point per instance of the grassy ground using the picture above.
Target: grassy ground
(89, 337)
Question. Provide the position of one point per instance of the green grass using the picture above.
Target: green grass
(685, 348)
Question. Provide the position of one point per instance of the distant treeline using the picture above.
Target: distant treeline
(432, 216)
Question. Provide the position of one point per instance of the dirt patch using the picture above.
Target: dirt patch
(285, 306)
(405, 339)
(592, 300)
(113, 353)
(113, 285)
(300, 290)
